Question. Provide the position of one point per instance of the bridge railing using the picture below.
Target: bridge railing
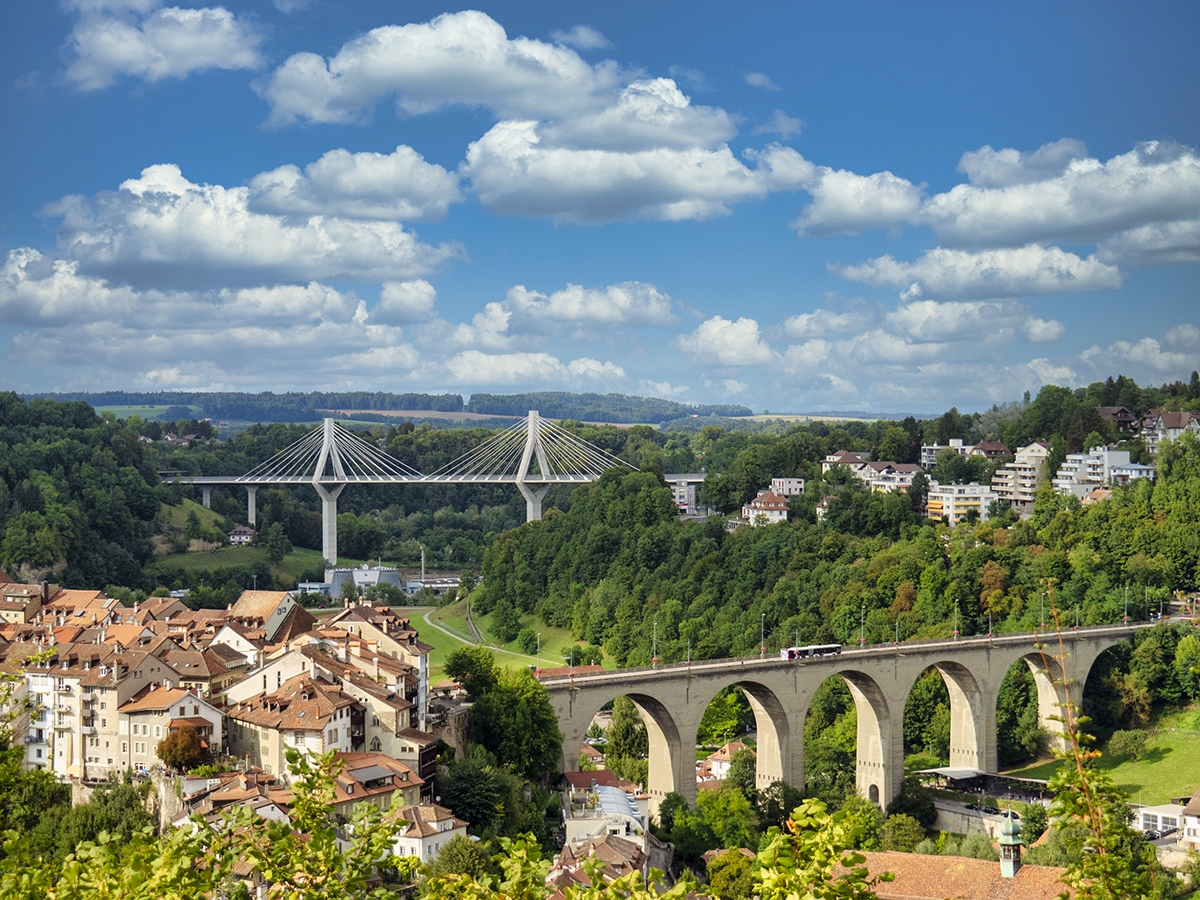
(851, 650)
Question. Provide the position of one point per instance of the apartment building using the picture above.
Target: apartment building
(1082, 473)
(1018, 481)
(955, 502)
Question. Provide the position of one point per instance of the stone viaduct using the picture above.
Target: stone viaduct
(672, 699)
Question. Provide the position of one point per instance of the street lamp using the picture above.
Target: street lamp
(989, 623)
(862, 627)
(762, 637)
(539, 651)
(654, 651)
(896, 643)
(1043, 609)
(1077, 618)
(956, 618)
(1127, 603)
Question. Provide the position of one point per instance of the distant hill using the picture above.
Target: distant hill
(267, 406)
(311, 406)
(615, 408)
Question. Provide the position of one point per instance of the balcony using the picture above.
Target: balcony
(32, 739)
(63, 726)
(87, 729)
(88, 697)
(63, 689)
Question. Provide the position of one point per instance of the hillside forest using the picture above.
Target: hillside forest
(612, 562)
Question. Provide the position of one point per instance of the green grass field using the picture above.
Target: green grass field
(176, 516)
(1167, 770)
(146, 412)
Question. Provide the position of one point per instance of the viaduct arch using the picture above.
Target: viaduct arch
(672, 699)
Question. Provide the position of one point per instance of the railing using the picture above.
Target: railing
(848, 651)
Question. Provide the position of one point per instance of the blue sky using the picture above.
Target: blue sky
(794, 206)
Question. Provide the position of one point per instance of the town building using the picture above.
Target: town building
(430, 827)
(719, 762)
(1081, 473)
(787, 487)
(241, 536)
(1119, 415)
(1160, 425)
(852, 461)
(156, 711)
(305, 714)
(956, 502)
(765, 509)
(683, 490)
(1018, 481)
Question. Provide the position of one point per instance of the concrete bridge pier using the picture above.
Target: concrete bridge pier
(972, 719)
(329, 499)
(206, 496)
(671, 768)
(251, 504)
(880, 738)
(533, 500)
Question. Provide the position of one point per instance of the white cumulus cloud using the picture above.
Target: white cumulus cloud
(161, 229)
(511, 172)
(398, 185)
(781, 124)
(457, 58)
(474, 368)
(1088, 200)
(145, 41)
(404, 302)
(628, 303)
(846, 203)
(1004, 272)
(726, 342)
(822, 323)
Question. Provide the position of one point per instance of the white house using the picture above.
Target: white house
(719, 761)
(765, 509)
(430, 827)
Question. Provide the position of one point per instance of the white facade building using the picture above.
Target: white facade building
(955, 501)
(1018, 481)
(787, 487)
(765, 509)
(1080, 473)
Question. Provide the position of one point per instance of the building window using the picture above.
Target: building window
(103, 706)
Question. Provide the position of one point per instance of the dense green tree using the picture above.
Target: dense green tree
(276, 542)
(743, 771)
(730, 876)
(901, 832)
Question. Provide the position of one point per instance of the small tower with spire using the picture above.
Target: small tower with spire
(1010, 846)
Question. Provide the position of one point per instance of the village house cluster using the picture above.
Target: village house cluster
(1088, 476)
(106, 684)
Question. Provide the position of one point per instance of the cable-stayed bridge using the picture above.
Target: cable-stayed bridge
(533, 454)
